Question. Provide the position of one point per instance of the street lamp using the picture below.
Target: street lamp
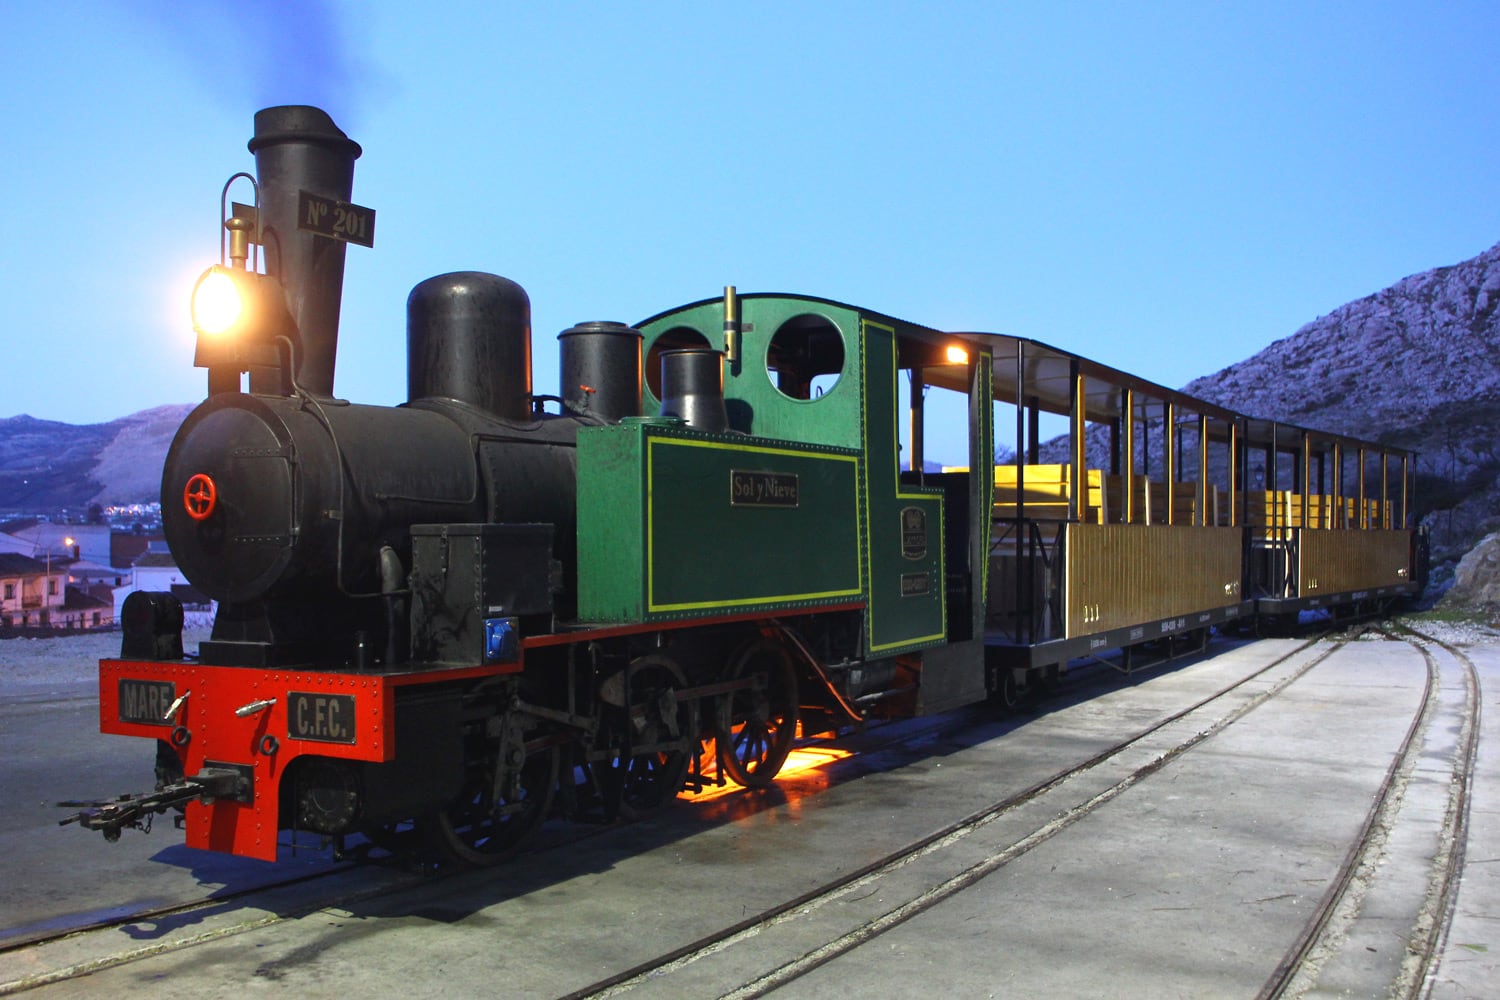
(68, 545)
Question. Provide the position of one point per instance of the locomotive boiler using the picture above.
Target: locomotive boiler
(459, 616)
(298, 506)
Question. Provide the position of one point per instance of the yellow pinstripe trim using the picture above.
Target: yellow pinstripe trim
(652, 606)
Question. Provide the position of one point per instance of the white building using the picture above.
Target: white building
(155, 569)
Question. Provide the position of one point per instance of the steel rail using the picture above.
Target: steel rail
(1417, 974)
(90, 966)
(1315, 929)
(1444, 884)
(156, 913)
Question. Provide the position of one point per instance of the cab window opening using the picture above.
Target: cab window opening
(805, 357)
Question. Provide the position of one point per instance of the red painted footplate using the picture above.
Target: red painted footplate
(262, 720)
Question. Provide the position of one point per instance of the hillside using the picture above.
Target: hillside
(46, 465)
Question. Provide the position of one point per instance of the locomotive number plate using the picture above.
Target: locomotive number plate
(146, 702)
(338, 220)
(324, 718)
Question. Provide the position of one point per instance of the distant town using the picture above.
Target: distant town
(63, 572)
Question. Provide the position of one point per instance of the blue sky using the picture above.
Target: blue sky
(1164, 187)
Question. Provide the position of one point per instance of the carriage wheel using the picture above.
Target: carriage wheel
(479, 830)
(755, 726)
(1007, 693)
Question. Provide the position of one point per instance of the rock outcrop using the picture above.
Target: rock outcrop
(1476, 582)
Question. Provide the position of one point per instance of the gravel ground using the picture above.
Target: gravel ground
(31, 666)
(1457, 633)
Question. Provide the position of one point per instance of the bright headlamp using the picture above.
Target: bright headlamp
(247, 306)
(241, 319)
(217, 303)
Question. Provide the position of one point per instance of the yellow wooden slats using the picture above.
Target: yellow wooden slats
(1048, 492)
(1283, 509)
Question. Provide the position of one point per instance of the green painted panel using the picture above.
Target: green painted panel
(981, 419)
(674, 523)
(900, 528)
(611, 524)
(905, 542)
(780, 330)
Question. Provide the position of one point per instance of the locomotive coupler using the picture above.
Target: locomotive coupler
(135, 812)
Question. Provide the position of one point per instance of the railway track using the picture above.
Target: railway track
(221, 916)
(155, 914)
(1326, 931)
(925, 872)
(797, 908)
(881, 738)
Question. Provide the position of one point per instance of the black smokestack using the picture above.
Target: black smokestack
(299, 148)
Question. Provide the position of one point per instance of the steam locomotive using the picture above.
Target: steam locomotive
(721, 536)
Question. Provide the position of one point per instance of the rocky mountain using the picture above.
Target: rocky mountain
(1416, 365)
(47, 465)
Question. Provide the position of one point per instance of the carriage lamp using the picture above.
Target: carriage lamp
(956, 355)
